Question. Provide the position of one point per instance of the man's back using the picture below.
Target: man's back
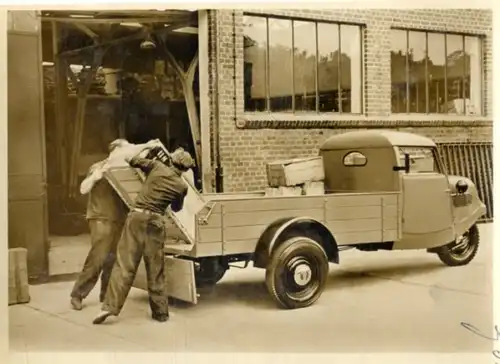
(104, 203)
(162, 187)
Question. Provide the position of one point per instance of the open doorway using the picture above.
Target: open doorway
(108, 75)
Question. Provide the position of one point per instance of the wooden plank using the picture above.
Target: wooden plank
(179, 277)
(274, 204)
(214, 221)
(336, 200)
(267, 217)
(343, 226)
(131, 186)
(125, 174)
(390, 235)
(244, 232)
(361, 212)
(18, 276)
(208, 250)
(359, 237)
(239, 246)
(209, 235)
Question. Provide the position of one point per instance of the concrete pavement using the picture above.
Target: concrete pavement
(374, 302)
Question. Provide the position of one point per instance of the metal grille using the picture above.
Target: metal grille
(474, 161)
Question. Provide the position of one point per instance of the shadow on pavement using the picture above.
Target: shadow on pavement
(254, 293)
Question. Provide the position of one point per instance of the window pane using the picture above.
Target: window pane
(305, 65)
(436, 68)
(350, 66)
(255, 48)
(473, 75)
(280, 64)
(416, 49)
(421, 159)
(398, 70)
(328, 49)
(454, 73)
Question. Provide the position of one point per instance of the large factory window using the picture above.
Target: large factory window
(295, 65)
(436, 73)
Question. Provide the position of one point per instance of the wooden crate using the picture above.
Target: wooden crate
(18, 276)
(294, 172)
(313, 188)
(283, 191)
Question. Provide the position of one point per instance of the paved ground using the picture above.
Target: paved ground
(374, 302)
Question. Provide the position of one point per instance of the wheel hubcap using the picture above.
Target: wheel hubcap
(302, 274)
(301, 278)
(463, 247)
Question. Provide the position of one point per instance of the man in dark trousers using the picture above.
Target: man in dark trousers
(106, 214)
(144, 235)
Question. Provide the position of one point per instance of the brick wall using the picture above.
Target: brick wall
(248, 140)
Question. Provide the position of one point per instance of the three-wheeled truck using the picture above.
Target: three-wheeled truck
(384, 190)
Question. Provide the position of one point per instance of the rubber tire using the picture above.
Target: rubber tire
(287, 250)
(209, 276)
(447, 258)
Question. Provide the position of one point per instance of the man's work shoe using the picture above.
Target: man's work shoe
(160, 317)
(101, 317)
(76, 303)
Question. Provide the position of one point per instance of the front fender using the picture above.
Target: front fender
(282, 229)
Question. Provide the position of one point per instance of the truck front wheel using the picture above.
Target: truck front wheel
(297, 273)
(461, 252)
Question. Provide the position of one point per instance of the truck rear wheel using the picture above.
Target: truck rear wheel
(297, 273)
(461, 253)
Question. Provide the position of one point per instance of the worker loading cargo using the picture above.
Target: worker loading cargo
(144, 234)
(106, 215)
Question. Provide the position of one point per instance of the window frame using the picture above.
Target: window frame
(315, 22)
(481, 38)
(438, 163)
(354, 165)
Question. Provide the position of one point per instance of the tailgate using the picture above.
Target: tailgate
(181, 230)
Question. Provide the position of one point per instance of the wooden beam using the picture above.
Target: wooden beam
(80, 119)
(87, 31)
(164, 19)
(187, 79)
(128, 38)
(206, 159)
(60, 96)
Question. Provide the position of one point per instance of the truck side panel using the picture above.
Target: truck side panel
(238, 224)
(353, 219)
(363, 218)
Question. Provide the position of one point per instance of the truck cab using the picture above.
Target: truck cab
(434, 207)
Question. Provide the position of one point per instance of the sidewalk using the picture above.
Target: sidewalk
(384, 302)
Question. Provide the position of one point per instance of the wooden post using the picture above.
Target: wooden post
(60, 103)
(187, 79)
(18, 276)
(83, 90)
(206, 165)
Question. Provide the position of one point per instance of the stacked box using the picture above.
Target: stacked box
(301, 176)
(18, 276)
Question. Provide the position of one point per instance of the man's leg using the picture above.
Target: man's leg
(128, 256)
(107, 267)
(101, 235)
(154, 261)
